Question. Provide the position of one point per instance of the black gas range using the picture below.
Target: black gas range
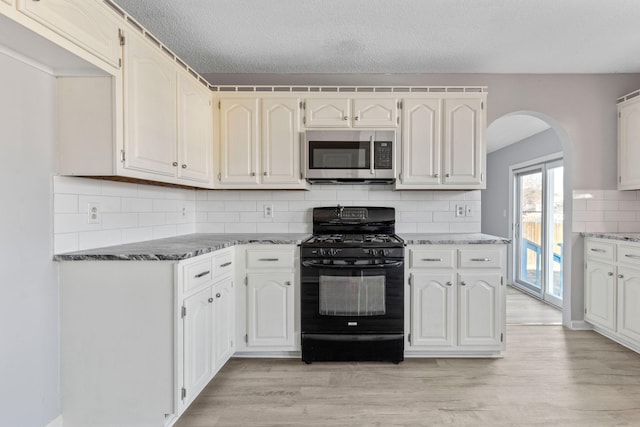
(352, 294)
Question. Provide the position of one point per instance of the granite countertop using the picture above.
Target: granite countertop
(177, 248)
(453, 239)
(626, 237)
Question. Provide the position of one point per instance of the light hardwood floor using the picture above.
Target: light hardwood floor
(523, 309)
(549, 376)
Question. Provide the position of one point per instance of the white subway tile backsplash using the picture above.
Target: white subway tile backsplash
(150, 219)
(271, 227)
(241, 206)
(96, 239)
(222, 217)
(66, 203)
(606, 211)
(107, 203)
(140, 234)
(119, 189)
(300, 228)
(119, 220)
(165, 205)
(434, 227)
(65, 242)
(131, 204)
(162, 231)
(72, 185)
(238, 227)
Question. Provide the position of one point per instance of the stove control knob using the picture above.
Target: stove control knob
(322, 252)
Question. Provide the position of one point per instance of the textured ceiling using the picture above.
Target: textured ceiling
(402, 36)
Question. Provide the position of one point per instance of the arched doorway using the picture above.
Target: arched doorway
(523, 141)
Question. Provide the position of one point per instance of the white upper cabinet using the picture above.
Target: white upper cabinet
(421, 136)
(281, 141)
(464, 147)
(346, 112)
(443, 143)
(88, 24)
(149, 108)
(239, 141)
(260, 143)
(629, 144)
(195, 131)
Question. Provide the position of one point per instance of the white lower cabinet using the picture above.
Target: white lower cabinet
(456, 300)
(141, 339)
(612, 289)
(267, 306)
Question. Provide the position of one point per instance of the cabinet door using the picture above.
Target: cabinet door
(433, 309)
(378, 113)
(600, 295)
(629, 146)
(270, 308)
(150, 108)
(480, 309)
(281, 141)
(464, 148)
(195, 127)
(629, 303)
(328, 112)
(198, 359)
(421, 142)
(239, 141)
(223, 323)
(88, 24)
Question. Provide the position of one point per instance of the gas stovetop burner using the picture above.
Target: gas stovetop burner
(350, 239)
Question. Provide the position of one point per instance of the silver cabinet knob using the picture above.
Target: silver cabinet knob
(447, 175)
(356, 118)
(620, 276)
(610, 274)
(287, 283)
(253, 174)
(345, 118)
(448, 283)
(218, 295)
(175, 163)
(435, 175)
(184, 166)
(463, 284)
(210, 300)
(264, 173)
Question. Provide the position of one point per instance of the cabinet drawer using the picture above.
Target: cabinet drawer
(196, 274)
(629, 255)
(480, 258)
(257, 258)
(600, 250)
(432, 258)
(223, 263)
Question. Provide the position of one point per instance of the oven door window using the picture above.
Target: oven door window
(352, 295)
(339, 155)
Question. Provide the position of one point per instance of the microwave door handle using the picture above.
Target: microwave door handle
(372, 155)
(303, 156)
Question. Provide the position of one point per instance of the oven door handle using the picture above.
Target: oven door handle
(351, 266)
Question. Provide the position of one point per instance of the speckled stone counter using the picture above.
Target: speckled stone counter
(625, 237)
(453, 239)
(177, 248)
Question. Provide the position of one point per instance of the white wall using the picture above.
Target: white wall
(29, 332)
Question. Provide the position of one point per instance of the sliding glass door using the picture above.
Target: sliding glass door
(538, 230)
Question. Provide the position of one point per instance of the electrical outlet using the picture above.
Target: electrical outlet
(93, 213)
(460, 210)
(467, 210)
(268, 211)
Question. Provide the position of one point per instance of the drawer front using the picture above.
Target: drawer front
(196, 274)
(600, 250)
(629, 255)
(432, 258)
(223, 263)
(480, 258)
(272, 258)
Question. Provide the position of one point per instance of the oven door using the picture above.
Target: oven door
(345, 297)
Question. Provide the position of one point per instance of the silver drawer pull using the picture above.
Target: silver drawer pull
(226, 264)
(432, 259)
(480, 259)
(204, 273)
(632, 256)
(597, 250)
(269, 259)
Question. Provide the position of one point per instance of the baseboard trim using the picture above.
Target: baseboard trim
(580, 325)
(56, 423)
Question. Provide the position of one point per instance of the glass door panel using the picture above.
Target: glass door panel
(555, 215)
(529, 184)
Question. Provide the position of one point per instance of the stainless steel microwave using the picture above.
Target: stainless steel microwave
(349, 155)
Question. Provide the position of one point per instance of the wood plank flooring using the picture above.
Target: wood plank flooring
(549, 376)
(523, 309)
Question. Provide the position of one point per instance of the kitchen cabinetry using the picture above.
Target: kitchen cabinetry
(260, 143)
(443, 143)
(628, 142)
(269, 299)
(346, 112)
(456, 299)
(612, 289)
(88, 24)
(159, 334)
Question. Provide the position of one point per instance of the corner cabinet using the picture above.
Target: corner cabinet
(443, 143)
(259, 143)
(346, 112)
(456, 300)
(159, 334)
(629, 142)
(612, 289)
(268, 300)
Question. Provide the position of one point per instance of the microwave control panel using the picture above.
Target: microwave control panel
(383, 157)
